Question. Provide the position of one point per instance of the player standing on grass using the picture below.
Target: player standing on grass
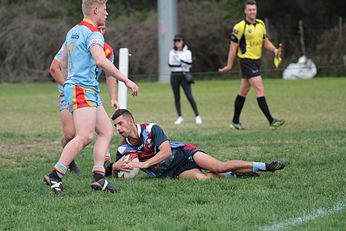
(84, 53)
(162, 158)
(248, 38)
(65, 116)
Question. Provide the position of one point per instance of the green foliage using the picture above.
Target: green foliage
(133, 24)
(313, 144)
(73, 10)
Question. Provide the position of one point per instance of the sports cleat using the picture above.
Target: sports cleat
(73, 167)
(55, 185)
(275, 165)
(103, 184)
(180, 120)
(276, 123)
(236, 126)
(108, 167)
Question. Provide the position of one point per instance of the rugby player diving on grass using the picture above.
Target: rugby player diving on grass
(162, 158)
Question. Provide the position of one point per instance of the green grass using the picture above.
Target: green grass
(313, 143)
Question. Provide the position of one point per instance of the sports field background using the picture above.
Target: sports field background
(309, 194)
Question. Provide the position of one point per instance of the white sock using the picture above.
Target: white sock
(258, 166)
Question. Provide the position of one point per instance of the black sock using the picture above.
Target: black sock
(264, 107)
(108, 168)
(98, 176)
(54, 175)
(238, 106)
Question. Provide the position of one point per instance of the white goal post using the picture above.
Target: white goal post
(123, 68)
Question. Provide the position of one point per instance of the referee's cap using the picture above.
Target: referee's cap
(178, 37)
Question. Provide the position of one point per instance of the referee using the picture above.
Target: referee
(248, 38)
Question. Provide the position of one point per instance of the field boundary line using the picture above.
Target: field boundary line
(299, 220)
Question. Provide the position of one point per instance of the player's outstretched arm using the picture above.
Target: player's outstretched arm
(231, 56)
(164, 153)
(102, 62)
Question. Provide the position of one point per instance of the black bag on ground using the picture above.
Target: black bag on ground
(188, 77)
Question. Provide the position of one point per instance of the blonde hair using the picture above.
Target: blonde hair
(88, 4)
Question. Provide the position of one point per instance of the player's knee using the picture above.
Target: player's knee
(107, 133)
(220, 167)
(244, 92)
(259, 91)
(202, 177)
(68, 136)
(86, 139)
(110, 132)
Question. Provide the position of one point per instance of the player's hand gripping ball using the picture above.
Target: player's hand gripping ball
(132, 173)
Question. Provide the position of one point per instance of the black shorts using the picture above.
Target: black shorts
(250, 68)
(183, 161)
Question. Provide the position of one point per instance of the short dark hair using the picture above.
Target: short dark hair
(121, 112)
(249, 2)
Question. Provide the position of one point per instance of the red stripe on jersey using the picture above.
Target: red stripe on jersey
(108, 50)
(190, 147)
(88, 24)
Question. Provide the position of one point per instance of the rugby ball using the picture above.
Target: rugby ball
(132, 173)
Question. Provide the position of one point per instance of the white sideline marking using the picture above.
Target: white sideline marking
(299, 220)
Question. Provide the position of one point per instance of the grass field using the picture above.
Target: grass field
(309, 194)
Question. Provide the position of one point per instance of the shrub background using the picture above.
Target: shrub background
(33, 31)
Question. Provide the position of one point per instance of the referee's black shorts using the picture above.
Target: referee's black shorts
(250, 68)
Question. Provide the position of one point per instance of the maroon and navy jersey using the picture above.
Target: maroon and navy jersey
(151, 137)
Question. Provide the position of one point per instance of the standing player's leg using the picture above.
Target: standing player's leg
(68, 134)
(104, 131)
(84, 120)
(239, 103)
(67, 127)
(258, 85)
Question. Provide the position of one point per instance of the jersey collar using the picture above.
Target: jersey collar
(88, 21)
(139, 134)
(250, 23)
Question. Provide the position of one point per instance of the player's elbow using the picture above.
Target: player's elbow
(169, 153)
(53, 69)
(99, 63)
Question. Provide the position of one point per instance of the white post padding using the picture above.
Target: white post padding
(123, 68)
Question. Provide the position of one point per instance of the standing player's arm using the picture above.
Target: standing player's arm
(102, 62)
(112, 90)
(55, 71)
(164, 153)
(269, 46)
(231, 56)
(63, 64)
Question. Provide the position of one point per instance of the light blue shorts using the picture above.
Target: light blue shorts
(78, 97)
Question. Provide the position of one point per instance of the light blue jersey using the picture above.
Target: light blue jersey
(82, 69)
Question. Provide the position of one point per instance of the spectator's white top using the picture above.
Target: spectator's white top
(180, 61)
